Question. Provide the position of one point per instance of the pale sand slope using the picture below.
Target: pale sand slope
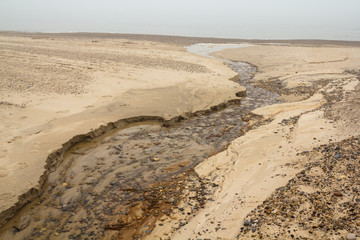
(53, 89)
(264, 159)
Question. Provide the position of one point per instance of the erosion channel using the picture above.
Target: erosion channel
(119, 184)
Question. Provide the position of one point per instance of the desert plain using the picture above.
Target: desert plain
(290, 171)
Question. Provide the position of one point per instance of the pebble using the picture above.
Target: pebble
(113, 183)
(91, 180)
(247, 223)
(338, 194)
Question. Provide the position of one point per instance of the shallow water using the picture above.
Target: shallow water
(205, 49)
(103, 178)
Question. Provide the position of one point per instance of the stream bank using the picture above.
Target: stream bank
(111, 184)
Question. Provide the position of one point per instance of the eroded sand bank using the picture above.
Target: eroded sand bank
(266, 158)
(55, 88)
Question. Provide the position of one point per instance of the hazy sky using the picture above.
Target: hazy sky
(327, 19)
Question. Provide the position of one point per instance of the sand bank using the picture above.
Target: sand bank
(55, 88)
(266, 158)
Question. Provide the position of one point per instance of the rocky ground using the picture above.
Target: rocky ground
(321, 202)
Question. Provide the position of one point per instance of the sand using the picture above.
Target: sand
(55, 88)
(113, 78)
(266, 158)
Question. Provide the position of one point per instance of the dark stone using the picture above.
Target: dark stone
(338, 194)
(241, 94)
(247, 223)
(113, 183)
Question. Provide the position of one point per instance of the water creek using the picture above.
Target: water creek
(106, 177)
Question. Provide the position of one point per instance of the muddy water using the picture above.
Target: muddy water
(94, 191)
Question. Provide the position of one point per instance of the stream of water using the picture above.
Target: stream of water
(105, 177)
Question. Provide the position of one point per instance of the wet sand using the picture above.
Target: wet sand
(253, 149)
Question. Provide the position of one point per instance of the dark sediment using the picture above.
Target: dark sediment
(276, 85)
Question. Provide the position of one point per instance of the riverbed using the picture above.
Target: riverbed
(103, 179)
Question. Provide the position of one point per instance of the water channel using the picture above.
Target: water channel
(106, 177)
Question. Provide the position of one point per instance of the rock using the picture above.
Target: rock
(338, 194)
(114, 183)
(17, 229)
(91, 180)
(156, 159)
(268, 211)
(351, 236)
(241, 94)
(337, 156)
(247, 223)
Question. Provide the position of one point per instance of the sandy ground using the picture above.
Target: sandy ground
(266, 158)
(55, 88)
(110, 79)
